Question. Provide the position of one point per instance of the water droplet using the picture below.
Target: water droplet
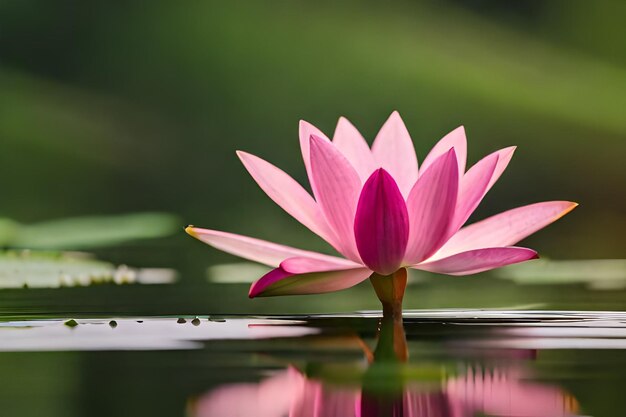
(181, 321)
(113, 324)
(195, 322)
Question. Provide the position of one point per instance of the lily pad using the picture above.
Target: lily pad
(86, 232)
(28, 269)
(596, 274)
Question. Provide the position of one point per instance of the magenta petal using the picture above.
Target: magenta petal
(281, 282)
(507, 228)
(479, 260)
(477, 182)
(431, 206)
(381, 226)
(504, 157)
(472, 189)
(336, 187)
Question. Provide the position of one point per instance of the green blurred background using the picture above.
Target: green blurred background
(118, 107)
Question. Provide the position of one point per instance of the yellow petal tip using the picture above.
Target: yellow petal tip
(190, 230)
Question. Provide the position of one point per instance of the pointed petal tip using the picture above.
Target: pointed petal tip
(451, 152)
(190, 230)
(253, 292)
(243, 156)
(314, 139)
(381, 171)
(571, 205)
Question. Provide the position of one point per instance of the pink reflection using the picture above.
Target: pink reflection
(504, 392)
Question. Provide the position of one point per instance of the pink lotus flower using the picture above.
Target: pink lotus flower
(382, 213)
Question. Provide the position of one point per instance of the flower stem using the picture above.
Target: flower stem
(390, 292)
(392, 339)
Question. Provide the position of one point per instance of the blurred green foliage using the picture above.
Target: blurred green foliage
(86, 232)
(122, 107)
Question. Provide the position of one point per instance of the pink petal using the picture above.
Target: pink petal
(473, 188)
(302, 265)
(305, 132)
(507, 228)
(393, 150)
(507, 392)
(455, 139)
(478, 260)
(257, 250)
(431, 205)
(281, 282)
(504, 157)
(288, 194)
(336, 187)
(350, 142)
(381, 226)
(270, 397)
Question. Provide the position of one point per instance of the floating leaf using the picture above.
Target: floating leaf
(87, 232)
(596, 273)
(51, 270)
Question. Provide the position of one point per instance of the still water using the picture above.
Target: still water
(486, 346)
(460, 363)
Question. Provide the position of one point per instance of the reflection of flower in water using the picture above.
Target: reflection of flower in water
(506, 392)
(502, 392)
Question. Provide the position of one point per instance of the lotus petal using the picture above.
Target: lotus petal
(431, 206)
(455, 139)
(336, 188)
(350, 142)
(504, 157)
(305, 265)
(257, 250)
(472, 189)
(381, 226)
(306, 130)
(478, 260)
(288, 194)
(505, 229)
(393, 150)
(281, 282)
